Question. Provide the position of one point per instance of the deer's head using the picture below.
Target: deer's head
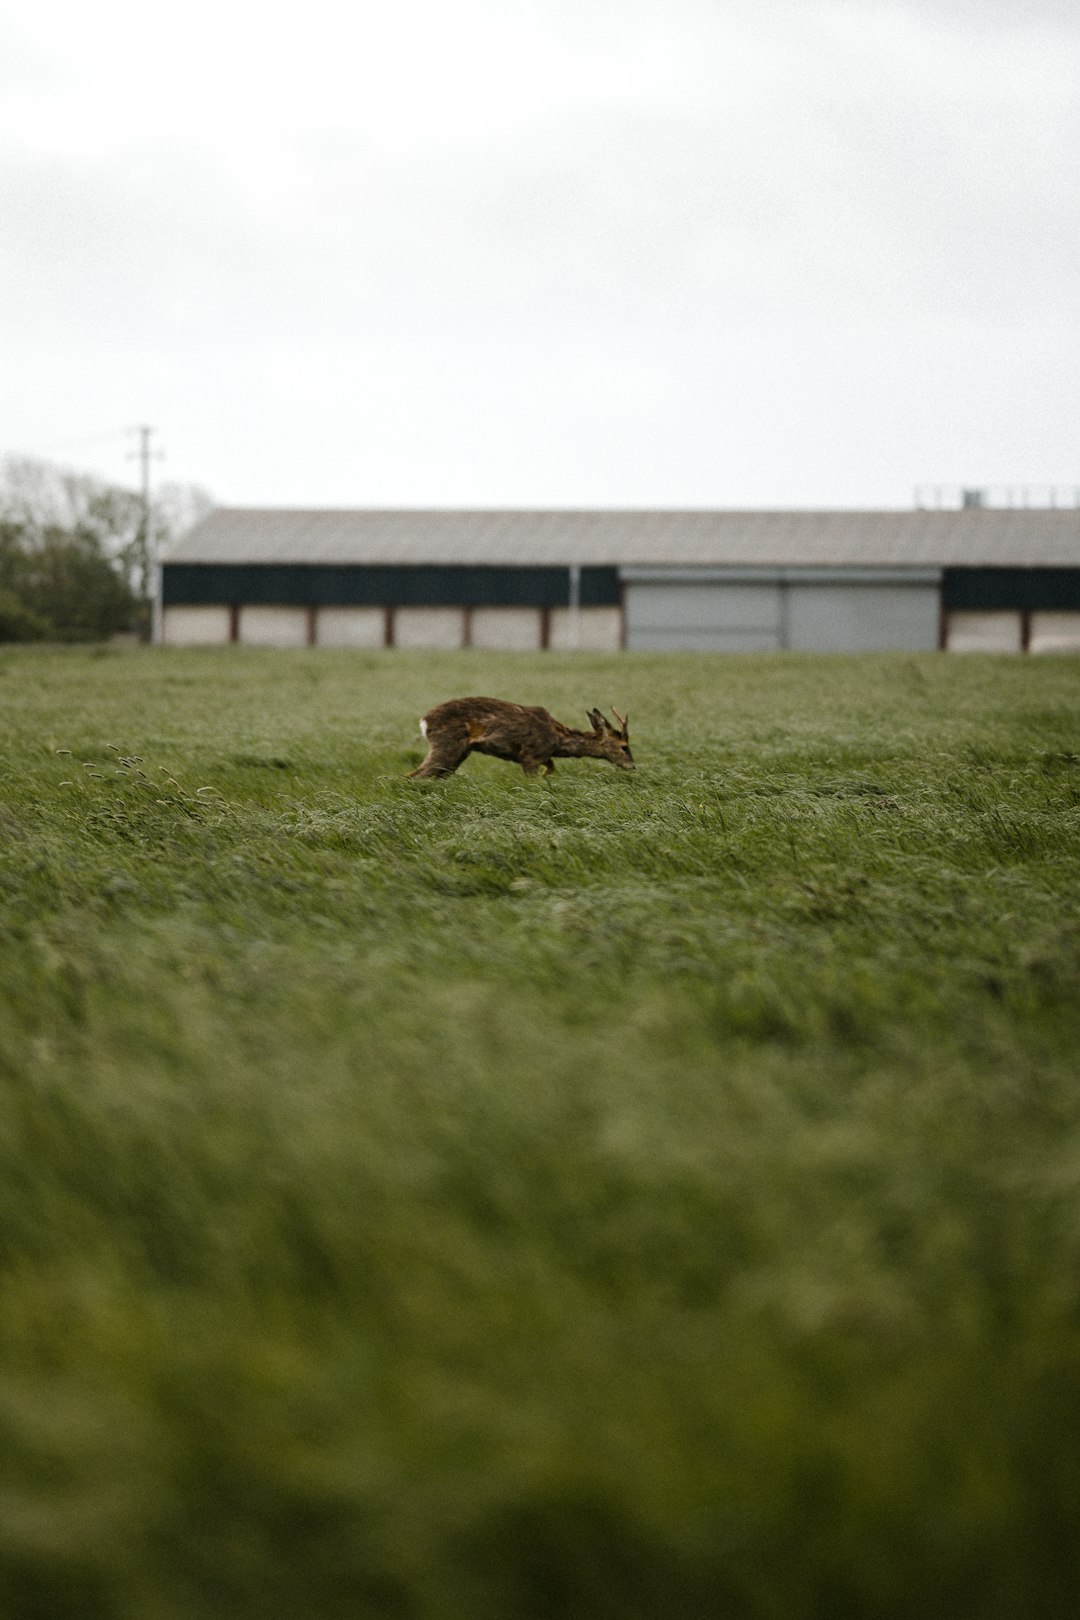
(616, 742)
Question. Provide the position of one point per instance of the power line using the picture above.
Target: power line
(85, 441)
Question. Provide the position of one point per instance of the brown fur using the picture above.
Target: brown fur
(529, 737)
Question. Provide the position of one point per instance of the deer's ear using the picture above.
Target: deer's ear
(598, 721)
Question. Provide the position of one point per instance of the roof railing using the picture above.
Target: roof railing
(1014, 497)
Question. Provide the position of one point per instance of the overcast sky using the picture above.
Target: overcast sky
(544, 252)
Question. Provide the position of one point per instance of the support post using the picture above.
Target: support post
(1025, 630)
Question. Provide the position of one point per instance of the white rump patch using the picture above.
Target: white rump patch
(423, 728)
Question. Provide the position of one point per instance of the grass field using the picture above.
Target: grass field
(611, 1196)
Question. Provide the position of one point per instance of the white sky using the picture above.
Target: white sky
(544, 252)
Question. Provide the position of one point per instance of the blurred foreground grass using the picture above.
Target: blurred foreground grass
(604, 1197)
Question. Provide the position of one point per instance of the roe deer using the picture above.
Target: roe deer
(532, 738)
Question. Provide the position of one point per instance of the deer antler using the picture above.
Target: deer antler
(621, 718)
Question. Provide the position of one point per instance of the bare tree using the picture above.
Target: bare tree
(45, 508)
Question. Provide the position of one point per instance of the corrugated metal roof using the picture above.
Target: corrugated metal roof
(974, 537)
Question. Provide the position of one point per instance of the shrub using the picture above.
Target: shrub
(19, 622)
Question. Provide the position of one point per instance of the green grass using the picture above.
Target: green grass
(617, 1196)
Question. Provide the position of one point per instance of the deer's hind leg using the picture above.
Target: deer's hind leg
(446, 750)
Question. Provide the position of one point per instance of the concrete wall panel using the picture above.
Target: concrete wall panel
(505, 629)
(195, 626)
(599, 630)
(429, 627)
(983, 632)
(273, 626)
(350, 627)
(1055, 632)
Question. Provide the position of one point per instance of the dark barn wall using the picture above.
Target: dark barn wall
(1027, 590)
(328, 585)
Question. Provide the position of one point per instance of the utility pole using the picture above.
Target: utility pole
(144, 455)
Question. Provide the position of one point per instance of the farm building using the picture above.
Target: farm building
(978, 578)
